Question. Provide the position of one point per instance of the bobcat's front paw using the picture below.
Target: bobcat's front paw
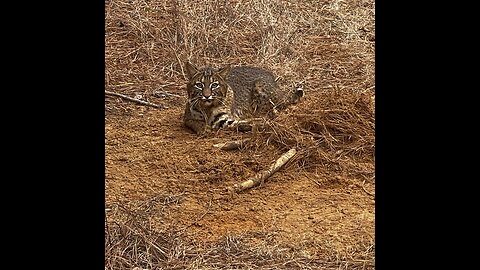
(207, 130)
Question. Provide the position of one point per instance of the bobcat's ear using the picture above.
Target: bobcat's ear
(191, 70)
(224, 72)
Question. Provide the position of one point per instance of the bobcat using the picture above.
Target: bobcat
(232, 97)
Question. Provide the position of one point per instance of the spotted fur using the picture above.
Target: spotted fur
(231, 97)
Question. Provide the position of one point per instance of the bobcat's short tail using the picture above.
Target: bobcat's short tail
(298, 93)
(294, 96)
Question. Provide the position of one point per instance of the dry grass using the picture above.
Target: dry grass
(329, 45)
(334, 129)
(132, 242)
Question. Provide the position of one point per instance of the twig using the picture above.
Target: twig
(231, 145)
(369, 193)
(145, 238)
(134, 100)
(262, 176)
(181, 65)
(316, 182)
(164, 94)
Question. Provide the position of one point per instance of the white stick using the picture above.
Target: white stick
(262, 176)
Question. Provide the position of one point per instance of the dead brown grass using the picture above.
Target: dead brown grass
(329, 45)
(132, 243)
(325, 43)
(334, 129)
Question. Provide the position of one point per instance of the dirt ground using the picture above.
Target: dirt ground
(150, 156)
(168, 203)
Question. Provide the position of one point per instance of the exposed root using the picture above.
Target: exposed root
(264, 175)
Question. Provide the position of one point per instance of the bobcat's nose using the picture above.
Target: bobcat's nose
(207, 97)
(207, 93)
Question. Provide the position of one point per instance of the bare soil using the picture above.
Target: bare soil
(151, 157)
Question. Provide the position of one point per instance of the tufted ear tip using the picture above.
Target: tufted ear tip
(225, 71)
(191, 70)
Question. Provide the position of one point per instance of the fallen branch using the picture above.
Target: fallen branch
(231, 145)
(134, 99)
(262, 176)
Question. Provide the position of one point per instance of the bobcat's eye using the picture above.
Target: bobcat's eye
(214, 85)
(198, 85)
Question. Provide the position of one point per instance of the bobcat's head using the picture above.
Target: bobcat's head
(206, 87)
